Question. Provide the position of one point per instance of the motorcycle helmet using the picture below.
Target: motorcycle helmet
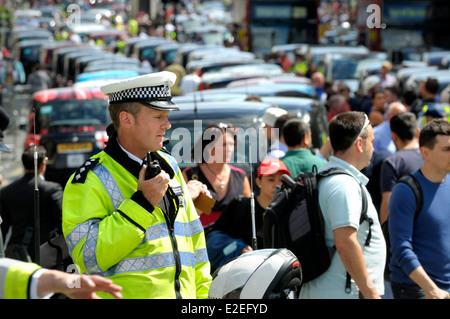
(259, 274)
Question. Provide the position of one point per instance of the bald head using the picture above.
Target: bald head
(395, 108)
(318, 79)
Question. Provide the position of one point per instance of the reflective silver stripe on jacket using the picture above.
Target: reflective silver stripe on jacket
(180, 229)
(156, 261)
(110, 185)
(89, 229)
(89, 249)
(171, 160)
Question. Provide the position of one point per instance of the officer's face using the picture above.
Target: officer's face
(148, 129)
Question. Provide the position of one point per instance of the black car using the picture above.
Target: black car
(193, 117)
(28, 52)
(189, 123)
(307, 109)
(147, 49)
(71, 124)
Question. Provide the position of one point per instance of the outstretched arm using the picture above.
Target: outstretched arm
(75, 286)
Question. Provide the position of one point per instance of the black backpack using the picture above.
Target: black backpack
(412, 182)
(294, 221)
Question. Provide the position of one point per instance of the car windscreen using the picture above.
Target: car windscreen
(148, 54)
(30, 54)
(56, 113)
(345, 69)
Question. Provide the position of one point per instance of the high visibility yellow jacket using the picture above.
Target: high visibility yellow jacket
(15, 278)
(111, 232)
(300, 66)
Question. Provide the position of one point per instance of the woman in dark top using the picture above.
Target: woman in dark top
(231, 234)
(223, 180)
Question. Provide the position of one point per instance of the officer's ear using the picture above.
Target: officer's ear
(126, 119)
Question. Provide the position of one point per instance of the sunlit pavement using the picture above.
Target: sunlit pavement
(10, 163)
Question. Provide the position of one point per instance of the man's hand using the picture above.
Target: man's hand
(153, 189)
(352, 257)
(76, 286)
(432, 291)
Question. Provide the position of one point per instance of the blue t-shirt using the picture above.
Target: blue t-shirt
(397, 165)
(383, 138)
(424, 241)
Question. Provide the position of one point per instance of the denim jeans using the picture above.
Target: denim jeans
(407, 291)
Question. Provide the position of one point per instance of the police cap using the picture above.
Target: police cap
(152, 90)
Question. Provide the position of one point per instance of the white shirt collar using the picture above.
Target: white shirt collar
(131, 156)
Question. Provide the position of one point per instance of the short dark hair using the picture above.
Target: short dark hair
(294, 130)
(404, 125)
(394, 90)
(377, 91)
(281, 120)
(432, 85)
(344, 129)
(429, 132)
(28, 157)
(409, 97)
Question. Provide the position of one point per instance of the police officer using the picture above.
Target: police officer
(22, 280)
(144, 234)
(300, 67)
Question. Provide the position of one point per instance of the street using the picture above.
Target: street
(10, 163)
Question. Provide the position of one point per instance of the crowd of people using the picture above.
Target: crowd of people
(150, 237)
(118, 224)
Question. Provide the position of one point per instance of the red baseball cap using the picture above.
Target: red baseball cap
(272, 166)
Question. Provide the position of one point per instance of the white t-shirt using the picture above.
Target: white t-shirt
(189, 83)
(341, 204)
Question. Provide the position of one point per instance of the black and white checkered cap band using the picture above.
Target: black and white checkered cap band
(151, 93)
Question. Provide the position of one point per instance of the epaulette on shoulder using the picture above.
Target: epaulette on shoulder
(82, 171)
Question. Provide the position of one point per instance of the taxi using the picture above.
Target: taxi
(71, 124)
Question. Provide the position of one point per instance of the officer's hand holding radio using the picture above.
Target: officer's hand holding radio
(153, 182)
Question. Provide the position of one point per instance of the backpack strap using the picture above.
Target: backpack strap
(364, 216)
(413, 183)
(365, 204)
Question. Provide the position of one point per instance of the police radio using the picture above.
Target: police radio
(153, 167)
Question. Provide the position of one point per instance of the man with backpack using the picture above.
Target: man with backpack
(420, 239)
(357, 267)
(405, 134)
